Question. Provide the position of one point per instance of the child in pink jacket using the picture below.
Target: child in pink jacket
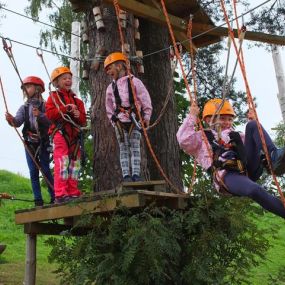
(122, 113)
(234, 159)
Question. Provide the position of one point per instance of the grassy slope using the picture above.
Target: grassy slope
(275, 258)
(12, 261)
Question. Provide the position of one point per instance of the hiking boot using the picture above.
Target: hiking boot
(136, 178)
(127, 178)
(39, 203)
(278, 161)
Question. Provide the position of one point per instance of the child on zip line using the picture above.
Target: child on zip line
(67, 114)
(122, 113)
(35, 134)
(236, 162)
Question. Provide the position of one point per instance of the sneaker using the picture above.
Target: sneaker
(278, 161)
(62, 199)
(39, 203)
(127, 178)
(136, 178)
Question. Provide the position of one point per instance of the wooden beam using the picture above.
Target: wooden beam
(180, 25)
(98, 205)
(252, 36)
(151, 13)
(77, 209)
(31, 260)
(52, 229)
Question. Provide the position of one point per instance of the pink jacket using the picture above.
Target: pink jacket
(143, 97)
(192, 143)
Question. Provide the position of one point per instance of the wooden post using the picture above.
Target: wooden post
(75, 53)
(277, 60)
(31, 260)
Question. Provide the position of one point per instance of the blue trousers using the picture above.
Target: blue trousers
(43, 160)
(241, 185)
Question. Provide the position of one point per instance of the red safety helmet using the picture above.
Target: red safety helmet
(34, 80)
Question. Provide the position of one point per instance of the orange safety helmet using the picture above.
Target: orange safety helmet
(113, 57)
(212, 106)
(34, 80)
(59, 71)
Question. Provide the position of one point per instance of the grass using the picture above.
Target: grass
(275, 257)
(12, 261)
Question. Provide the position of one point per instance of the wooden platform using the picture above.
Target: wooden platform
(100, 204)
(132, 195)
(61, 218)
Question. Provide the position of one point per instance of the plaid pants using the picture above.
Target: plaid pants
(130, 148)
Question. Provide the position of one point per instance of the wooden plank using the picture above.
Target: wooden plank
(131, 199)
(253, 36)
(151, 13)
(52, 229)
(180, 25)
(144, 185)
(31, 260)
(77, 209)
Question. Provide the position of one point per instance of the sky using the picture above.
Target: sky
(259, 67)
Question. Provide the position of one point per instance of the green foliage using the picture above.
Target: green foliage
(214, 241)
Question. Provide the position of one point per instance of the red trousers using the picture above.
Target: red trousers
(66, 170)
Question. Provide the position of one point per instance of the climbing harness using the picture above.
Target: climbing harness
(229, 156)
(251, 103)
(117, 9)
(65, 116)
(78, 142)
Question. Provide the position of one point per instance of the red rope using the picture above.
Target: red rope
(250, 101)
(117, 9)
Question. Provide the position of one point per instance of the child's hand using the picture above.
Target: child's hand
(71, 108)
(9, 119)
(76, 114)
(194, 109)
(36, 112)
(146, 123)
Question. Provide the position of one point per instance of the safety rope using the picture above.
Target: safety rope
(192, 100)
(65, 117)
(227, 83)
(7, 196)
(193, 71)
(117, 9)
(251, 104)
(23, 141)
(166, 101)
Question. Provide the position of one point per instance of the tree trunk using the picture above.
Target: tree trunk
(107, 170)
(106, 165)
(159, 81)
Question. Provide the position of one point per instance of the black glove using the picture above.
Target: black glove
(114, 118)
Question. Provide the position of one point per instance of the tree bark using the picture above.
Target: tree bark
(159, 81)
(106, 165)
